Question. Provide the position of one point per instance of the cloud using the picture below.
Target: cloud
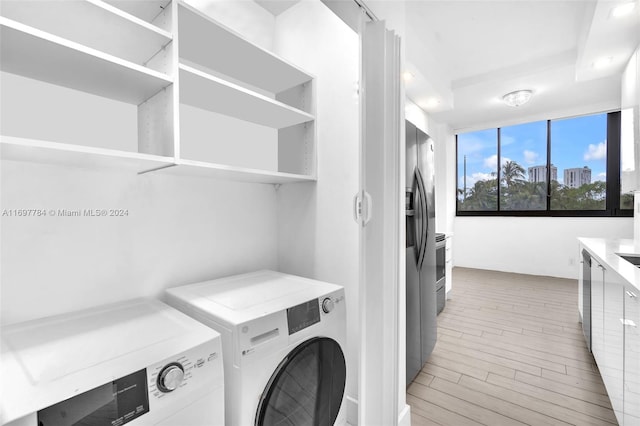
(507, 140)
(530, 157)
(475, 177)
(602, 177)
(492, 161)
(596, 152)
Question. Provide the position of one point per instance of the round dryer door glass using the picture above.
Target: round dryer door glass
(306, 388)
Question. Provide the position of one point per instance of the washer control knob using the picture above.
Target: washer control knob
(327, 305)
(170, 377)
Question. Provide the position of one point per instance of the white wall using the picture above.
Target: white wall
(178, 230)
(530, 245)
(245, 17)
(317, 235)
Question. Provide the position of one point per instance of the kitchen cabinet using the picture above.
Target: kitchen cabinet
(206, 101)
(448, 265)
(607, 332)
(611, 362)
(597, 309)
(615, 315)
(631, 357)
(630, 125)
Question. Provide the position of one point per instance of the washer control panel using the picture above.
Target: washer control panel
(172, 375)
(327, 305)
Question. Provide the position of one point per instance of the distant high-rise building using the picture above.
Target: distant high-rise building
(576, 177)
(539, 173)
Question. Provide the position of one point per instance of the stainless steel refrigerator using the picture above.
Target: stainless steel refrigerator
(421, 250)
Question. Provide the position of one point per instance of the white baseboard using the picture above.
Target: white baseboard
(352, 411)
(404, 419)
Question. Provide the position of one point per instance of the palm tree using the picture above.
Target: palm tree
(512, 172)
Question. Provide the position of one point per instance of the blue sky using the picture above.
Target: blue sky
(575, 142)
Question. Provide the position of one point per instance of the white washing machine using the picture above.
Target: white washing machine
(283, 340)
(136, 363)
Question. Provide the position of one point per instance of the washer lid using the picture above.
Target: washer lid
(241, 298)
(246, 292)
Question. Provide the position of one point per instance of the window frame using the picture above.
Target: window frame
(613, 183)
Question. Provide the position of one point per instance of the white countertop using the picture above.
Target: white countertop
(605, 251)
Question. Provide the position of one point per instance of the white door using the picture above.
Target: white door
(381, 213)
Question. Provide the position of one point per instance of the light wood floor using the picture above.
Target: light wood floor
(510, 351)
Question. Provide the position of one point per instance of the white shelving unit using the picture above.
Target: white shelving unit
(241, 174)
(231, 54)
(91, 23)
(213, 94)
(147, 10)
(44, 152)
(166, 59)
(35, 54)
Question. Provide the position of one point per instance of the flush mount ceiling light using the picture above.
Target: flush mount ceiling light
(517, 98)
(623, 10)
(430, 103)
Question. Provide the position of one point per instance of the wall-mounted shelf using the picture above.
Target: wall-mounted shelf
(231, 54)
(94, 24)
(20, 149)
(213, 94)
(236, 110)
(241, 174)
(35, 54)
(147, 10)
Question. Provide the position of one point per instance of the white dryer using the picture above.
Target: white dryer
(283, 340)
(135, 363)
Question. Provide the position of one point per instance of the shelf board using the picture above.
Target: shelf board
(210, 44)
(92, 23)
(220, 171)
(44, 152)
(146, 10)
(36, 54)
(211, 93)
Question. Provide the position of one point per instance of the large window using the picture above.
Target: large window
(565, 167)
(478, 170)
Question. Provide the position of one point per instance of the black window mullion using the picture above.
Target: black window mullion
(498, 171)
(613, 163)
(548, 166)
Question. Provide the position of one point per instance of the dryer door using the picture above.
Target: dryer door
(307, 388)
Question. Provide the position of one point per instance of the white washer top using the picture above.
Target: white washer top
(48, 360)
(240, 298)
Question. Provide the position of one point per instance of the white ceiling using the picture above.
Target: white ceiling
(465, 55)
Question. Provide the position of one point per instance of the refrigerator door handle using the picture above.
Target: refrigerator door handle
(421, 230)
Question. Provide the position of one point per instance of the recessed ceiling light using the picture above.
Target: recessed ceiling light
(517, 98)
(603, 62)
(623, 10)
(407, 76)
(430, 103)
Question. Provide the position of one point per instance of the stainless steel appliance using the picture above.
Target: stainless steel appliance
(441, 271)
(420, 250)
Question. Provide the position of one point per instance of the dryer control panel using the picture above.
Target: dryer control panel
(144, 396)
